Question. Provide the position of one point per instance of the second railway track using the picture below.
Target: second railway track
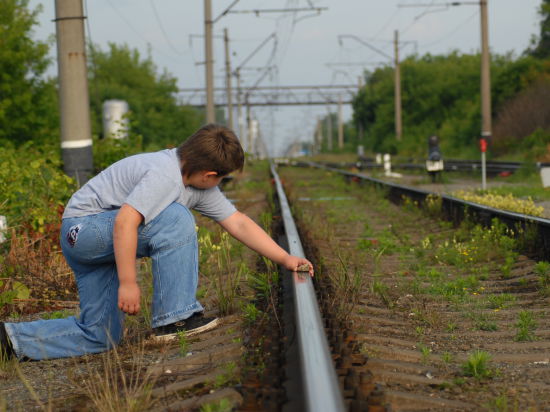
(424, 316)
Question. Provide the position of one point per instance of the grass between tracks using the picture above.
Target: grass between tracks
(446, 282)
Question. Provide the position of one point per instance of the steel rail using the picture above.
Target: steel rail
(322, 391)
(456, 210)
(450, 165)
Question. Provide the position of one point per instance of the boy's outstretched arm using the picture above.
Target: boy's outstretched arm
(125, 234)
(244, 229)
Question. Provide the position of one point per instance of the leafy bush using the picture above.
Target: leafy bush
(34, 187)
(107, 151)
(505, 202)
(441, 95)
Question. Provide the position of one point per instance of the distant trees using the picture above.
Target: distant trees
(28, 102)
(541, 44)
(440, 95)
(121, 73)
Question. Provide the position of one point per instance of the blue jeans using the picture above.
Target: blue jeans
(87, 243)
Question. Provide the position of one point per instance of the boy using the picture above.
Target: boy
(139, 206)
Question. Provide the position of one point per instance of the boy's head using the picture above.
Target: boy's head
(211, 148)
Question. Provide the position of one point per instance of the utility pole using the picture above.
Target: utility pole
(228, 80)
(319, 137)
(209, 62)
(397, 80)
(397, 88)
(486, 127)
(360, 125)
(248, 128)
(329, 130)
(340, 124)
(240, 119)
(76, 135)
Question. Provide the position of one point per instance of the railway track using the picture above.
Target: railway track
(493, 167)
(415, 313)
(435, 317)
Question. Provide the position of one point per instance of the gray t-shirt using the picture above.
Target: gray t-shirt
(148, 182)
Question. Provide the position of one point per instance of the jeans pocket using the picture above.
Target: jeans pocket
(88, 239)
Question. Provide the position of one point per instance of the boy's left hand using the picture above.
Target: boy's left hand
(294, 262)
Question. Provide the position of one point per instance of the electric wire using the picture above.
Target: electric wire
(452, 32)
(147, 42)
(161, 26)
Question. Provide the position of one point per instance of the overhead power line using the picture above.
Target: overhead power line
(166, 37)
(257, 12)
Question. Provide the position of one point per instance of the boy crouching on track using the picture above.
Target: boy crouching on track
(137, 207)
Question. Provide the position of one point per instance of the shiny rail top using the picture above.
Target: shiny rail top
(322, 392)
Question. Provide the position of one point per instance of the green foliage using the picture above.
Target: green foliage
(108, 151)
(540, 46)
(477, 365)
(10, 290)
(58, 314)
(535, 146)
(526, 326)
(440, 95)
(33, 186)
(425, 351)
(183, 342)
(224, 405)
(121, 73)
(251, 313)
(542, 269)
(500, 301)
(28, 103)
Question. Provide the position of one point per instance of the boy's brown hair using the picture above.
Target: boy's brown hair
(211, 148)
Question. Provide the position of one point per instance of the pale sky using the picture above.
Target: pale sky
(306, 41)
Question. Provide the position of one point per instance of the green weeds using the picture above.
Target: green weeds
(447, 358)
(500, 301)
(251, 313)
(228, 377)
(381, 289)
(477, 365)
(542, 270)
(483, 321)
(526, 326)
(223, 405)
(425, 351)
(183, 343)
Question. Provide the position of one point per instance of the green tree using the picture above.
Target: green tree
(440, 95)
(541, 44)
(121, 73)
(28, 102)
